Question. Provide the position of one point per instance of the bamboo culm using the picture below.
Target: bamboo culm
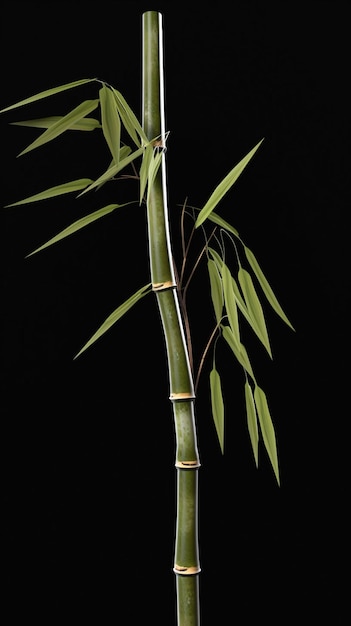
(186, 558)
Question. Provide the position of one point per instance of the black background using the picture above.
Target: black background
(88, 445)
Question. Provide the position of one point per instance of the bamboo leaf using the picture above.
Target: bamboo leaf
(47, 93)
(239, 299)
(63, 124)
(252, 420)
(224, 186)
(86, 123)
(153, 169)
(217, 405)
(267, 428)
(238, 349)
(213, 217)
(266, 286)
(73, 185)
(111, 124)
(216, 289)
(116, 315)
(230, 301)
(129, 120)
(81, 223)
(144, 170)
(254, 307)
(112, 171)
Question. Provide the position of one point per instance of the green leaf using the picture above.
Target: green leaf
(63, 124)
(213, 217)
(239, 299)
(144, 170)
(111, 124)
(75, 226)
(216, 289)
(153, 169)
(251, 420)
(116, 315)
(224, 186)
(238, 349)
(230, 301)
(112, 171)
(217, 405)
(47, 92)
(266, 286)
(254, 307)
(86, 123)
(129, 120)
(267, 428)
(73, 185)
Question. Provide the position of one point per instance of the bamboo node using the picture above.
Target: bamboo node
(182, 397)
(167, 284)
(187, 464)
(186, 571)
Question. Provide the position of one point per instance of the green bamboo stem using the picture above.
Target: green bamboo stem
(186, 561)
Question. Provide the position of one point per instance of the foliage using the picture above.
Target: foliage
(235, 293)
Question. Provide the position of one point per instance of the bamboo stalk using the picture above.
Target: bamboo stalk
(186, 562)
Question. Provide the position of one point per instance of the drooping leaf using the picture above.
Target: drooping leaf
(224, 186)
(58, 190)
(214, 217)
(78, 224)
(216, 289)
(267, 428)
(123, 153)
(144, 170)
(153, 169)
(254, 306)
(47, 93)
(238, 349)
(85, 124)
(111, 123)
(239, 298)
(251, 420)
(116, 315)
(112, 171)
(268, 291)
(217, 405)
(129, 120)
(63, 124)
(230, 301)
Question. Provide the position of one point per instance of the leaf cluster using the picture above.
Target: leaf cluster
(234, 295)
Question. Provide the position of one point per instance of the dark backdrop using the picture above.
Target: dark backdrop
(88, 445)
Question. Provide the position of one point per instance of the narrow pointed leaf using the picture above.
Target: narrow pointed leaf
(86, 124)
(239, 299)
(238, 350)
(230, 301)
(112, 171)
(77, 225)
(47, 93)
(129, 120)
(268, 291)
(111, 124)
(63, 124)
(123, 153)
(254, 306)
(214, 217)
(144, 170)
(224, 186)
(153, 169)
(216, 289)
(116, 315)
(252, 420)
(73, 185)
(267, 428)
(217, 405)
